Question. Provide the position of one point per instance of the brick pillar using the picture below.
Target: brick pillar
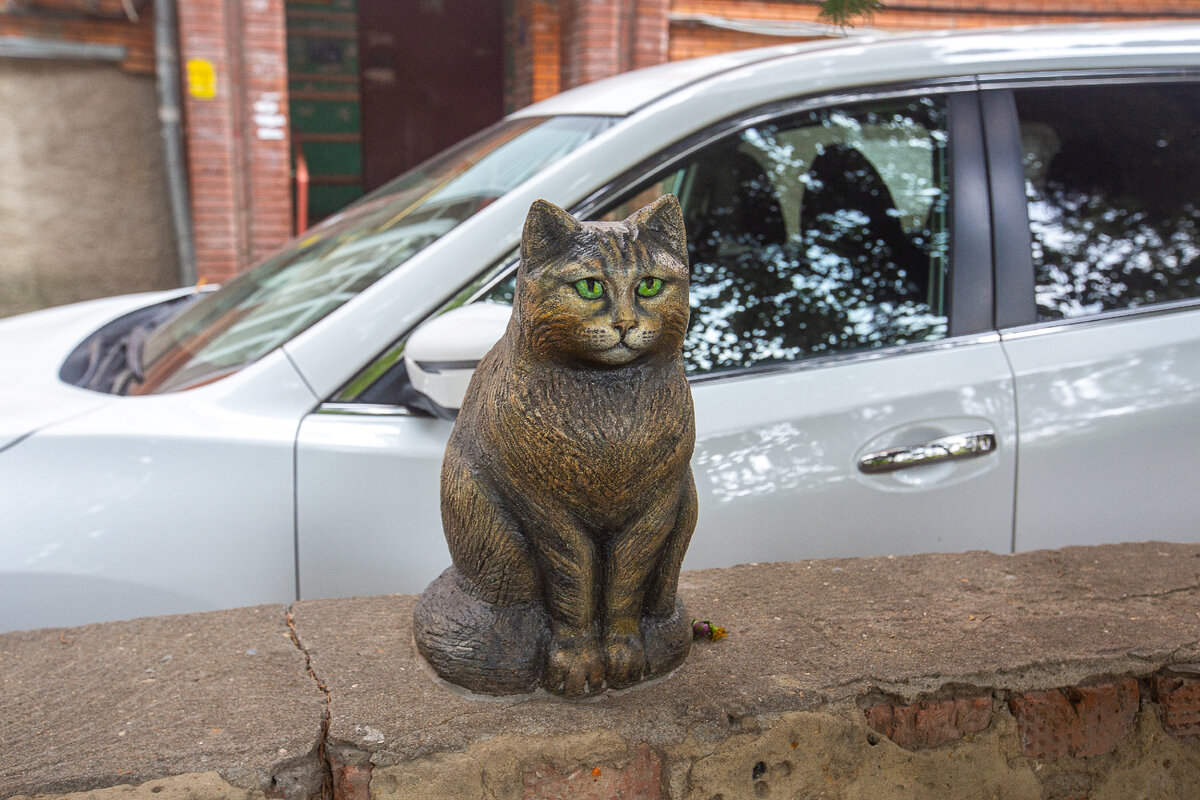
(533, 61)
(605, 37)
(651, 33)
(591, 40)
(235, 107)
(266, 127)
(547, 50)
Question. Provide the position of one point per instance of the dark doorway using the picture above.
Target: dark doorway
(432, 74)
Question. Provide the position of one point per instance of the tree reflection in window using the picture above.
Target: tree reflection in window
(824, 233)
(1111, 175)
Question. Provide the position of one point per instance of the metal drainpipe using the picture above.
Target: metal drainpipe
(170, 115)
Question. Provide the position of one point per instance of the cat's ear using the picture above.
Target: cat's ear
(547, 230)
(664, 220)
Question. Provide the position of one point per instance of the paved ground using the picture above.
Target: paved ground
(232, 692)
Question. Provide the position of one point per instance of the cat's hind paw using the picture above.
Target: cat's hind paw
(574, 667)
(624, 660)
(668, 640)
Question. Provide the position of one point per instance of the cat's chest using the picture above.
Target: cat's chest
(595, 441)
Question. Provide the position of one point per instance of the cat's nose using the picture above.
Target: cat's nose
(624, 325)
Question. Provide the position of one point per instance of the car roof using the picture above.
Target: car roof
(878, 58)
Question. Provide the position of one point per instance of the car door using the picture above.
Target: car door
(851, 394)
(1100, 303)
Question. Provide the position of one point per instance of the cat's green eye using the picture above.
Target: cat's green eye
(648, 287)
(589, 288)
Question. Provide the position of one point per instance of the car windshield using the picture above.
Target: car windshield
(315, 274)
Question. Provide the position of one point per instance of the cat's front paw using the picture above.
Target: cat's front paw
(624, 660)
(574, 667)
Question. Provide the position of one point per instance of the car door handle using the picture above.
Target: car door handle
(947, 448)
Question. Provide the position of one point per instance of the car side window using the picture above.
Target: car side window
(1110, 177)
(817, 234)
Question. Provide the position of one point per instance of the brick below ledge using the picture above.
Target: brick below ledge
(1053, 673)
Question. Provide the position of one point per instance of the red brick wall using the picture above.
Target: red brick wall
(690, 39)
(238, 144)
(557, 44)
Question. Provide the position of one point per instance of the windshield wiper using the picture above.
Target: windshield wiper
(112, 364)
(112, 357)
(135, 348)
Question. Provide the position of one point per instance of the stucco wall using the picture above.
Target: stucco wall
(83, 203)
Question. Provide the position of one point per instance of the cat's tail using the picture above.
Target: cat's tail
(483, 646)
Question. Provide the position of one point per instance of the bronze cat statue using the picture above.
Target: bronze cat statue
(567, 495)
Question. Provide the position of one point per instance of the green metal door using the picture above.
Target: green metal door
(323, 86)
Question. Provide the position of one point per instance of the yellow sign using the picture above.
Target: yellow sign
(202, 79)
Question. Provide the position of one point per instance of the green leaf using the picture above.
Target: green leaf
(845, 12)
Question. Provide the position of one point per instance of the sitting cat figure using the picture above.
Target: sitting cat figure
(567, 495)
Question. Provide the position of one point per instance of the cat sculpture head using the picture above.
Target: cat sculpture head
(603, 294)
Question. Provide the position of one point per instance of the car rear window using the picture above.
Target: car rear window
(1110, 177)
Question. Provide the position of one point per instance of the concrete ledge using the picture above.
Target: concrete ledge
(1052, 674)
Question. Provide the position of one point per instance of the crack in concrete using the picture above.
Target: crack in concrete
(484, 783)
(1185, 652)
(326, 792)
(1155, 595)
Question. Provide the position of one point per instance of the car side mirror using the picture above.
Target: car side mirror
(442, 353)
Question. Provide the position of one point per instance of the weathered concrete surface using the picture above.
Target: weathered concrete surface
(195, 786)
(127, 702)
(947, 654)
(801, 635)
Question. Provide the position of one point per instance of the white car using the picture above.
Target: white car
(945, 296)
